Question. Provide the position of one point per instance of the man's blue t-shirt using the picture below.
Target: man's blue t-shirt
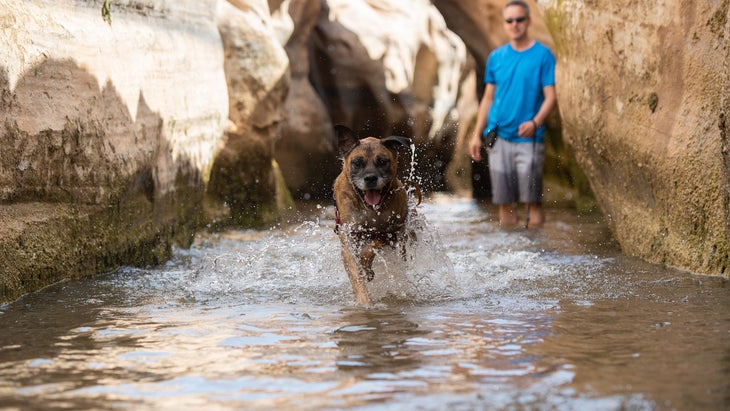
(519, 77)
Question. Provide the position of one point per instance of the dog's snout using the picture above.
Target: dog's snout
(371, 180)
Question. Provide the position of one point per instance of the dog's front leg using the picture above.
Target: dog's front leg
(353, 272)
(407, 238)
(367, 255)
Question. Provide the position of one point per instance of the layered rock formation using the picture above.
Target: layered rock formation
(110, 119)
(116, 131)
(306, 148)
(644, 94)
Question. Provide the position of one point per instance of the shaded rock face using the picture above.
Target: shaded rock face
(243, 189)
(102, 162)
(306, 148)
(379, 67)
(644, 103)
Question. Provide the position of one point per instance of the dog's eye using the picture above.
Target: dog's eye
(358, 162)
(382, 161)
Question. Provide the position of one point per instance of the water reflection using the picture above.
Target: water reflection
(640, 343)
(376, 341)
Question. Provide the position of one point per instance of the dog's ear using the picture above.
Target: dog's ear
(393, 142)
(346, 139)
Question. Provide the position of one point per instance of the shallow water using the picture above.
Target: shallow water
(475, 318)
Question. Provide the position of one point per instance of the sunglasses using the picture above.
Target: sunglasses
(516, 19)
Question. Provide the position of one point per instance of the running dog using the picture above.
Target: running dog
(371, 203)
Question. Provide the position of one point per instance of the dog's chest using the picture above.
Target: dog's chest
(382, 219)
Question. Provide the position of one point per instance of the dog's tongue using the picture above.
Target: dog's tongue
(372, 197)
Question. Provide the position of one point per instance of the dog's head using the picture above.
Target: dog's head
(371, 163)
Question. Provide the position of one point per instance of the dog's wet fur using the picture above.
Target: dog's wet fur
(371, 203)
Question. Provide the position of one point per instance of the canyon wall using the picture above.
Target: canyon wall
(380, 67)
(128, 125)
(110, 121)
(644, 96)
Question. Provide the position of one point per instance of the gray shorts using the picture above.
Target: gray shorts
(515, 170)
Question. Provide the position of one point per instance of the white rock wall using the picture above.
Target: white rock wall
(65, 63)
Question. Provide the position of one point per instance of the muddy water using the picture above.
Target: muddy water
(475, 318)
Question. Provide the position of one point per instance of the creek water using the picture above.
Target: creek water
(475, 317)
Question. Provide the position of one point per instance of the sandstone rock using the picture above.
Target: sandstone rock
(471, 22)
(109, 124)
(257, 73)
(306, 149)
(384, 67)
(644, 94)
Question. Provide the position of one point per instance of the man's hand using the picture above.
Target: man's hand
(528, 129)
(475, 147)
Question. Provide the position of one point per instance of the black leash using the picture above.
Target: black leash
(531, 185)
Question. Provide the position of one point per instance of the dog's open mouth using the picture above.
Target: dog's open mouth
(372, 197)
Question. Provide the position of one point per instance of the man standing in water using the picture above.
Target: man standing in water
(519, 95)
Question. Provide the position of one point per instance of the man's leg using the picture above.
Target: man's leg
(504, 182)
(537, 215)
(507, 215)
(530, 162)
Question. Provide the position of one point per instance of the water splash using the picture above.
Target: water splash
(302, 263)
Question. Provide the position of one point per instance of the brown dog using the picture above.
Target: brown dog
(371, 203)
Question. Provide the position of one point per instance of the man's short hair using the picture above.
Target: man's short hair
(520, 3)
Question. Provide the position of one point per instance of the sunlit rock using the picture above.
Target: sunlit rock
(111, 113)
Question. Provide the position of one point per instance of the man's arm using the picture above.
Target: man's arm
(475, 143)
(529, 127)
